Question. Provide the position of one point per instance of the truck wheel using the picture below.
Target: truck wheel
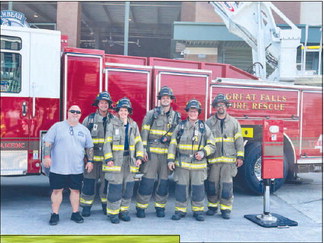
(249, 175)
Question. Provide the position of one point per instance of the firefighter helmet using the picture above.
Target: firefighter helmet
(221, 98)
(166, 91)
(124, 103)
(103, 96)
(193, 104)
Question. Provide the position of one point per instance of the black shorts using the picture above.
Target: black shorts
(58, 181)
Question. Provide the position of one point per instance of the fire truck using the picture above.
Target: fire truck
(41, 77)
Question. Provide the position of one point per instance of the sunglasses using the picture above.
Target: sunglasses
(74, 111)
(220, 105)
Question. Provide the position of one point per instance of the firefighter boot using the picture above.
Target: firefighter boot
(178, 215)
(211, 211)
(86, 211)
(104, 208)
(199, 216)
(114, 218)
(226, 213)
(124, 215)
(140, 212)
(160, 212)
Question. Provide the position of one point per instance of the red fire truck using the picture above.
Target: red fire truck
(40, 80)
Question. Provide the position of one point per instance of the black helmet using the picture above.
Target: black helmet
(165, 90)
(221, 98)
(124, 103)
(103, 96)
(195, 104)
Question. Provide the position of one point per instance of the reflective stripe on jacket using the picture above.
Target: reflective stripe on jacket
(229, 143)
(114, 145)
(155, 125)
(182, 150)
(97, 134)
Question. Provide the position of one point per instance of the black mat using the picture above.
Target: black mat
(281, 221)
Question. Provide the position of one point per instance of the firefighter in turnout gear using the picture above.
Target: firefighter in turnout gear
(157, 129)
(191, 143)
(123, 152)
(97, 124)
(228, 156)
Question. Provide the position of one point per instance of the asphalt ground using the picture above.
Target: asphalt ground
(25, 210)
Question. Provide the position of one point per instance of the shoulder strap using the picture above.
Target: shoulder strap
(202, 127)
(181, 130)
(91, 121)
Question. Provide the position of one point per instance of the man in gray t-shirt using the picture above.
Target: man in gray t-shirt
(65, 144)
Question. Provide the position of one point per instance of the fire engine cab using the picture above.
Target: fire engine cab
(40, 80)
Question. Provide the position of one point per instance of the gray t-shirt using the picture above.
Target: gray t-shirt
(68, 144)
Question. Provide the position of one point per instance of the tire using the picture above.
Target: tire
(249, 175)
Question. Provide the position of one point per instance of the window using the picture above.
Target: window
(10, 65)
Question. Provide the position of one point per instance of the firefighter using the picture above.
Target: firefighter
(123, 152)
(97, 124)
(228, 156)
(191, 142)
(157, 129)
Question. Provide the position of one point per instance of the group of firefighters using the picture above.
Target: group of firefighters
(200, 154)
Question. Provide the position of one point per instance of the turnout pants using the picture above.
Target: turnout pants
(154, 169)
(220, 185)
(120, 188)
(186, 181)
(89, 188)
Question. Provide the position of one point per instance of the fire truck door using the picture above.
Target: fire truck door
(15, 102)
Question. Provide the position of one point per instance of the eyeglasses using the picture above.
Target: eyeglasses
(74, 111)
(71, 131)
(220, 105)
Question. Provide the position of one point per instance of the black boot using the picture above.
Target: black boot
(54, 219)
(124, 215)
(114, 218)
(104, 208)
(140, 212)
(211, 211)
(199, 216)
(178, 215)
(160, 212)
(86, 211)
(226, 214)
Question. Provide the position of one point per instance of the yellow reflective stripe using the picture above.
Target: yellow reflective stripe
(197, 209)
(184, 210)
(108, 155)
(187, 147)
(214, 205)
(208, 151)
(107, 168)
(103, 200)
(144, 143)
(171, 156)
(117, 147)
(222, 159)
(240, 153)
(146, 127)
(98, 140)
(173, 141)
(137, 139)
(237, 135)
(108, 139)
(140, 205)
(159, 150)
(159, 205)
(131, 147)
(223, 207)
(169, 134)
(123, 208)
(139, 153)
(88, 202)
(112, 211)
(134, 169)
(98, 158)
(211, 141)
(191, 166)
(218, 139)
(157, 132)
(221, 139)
